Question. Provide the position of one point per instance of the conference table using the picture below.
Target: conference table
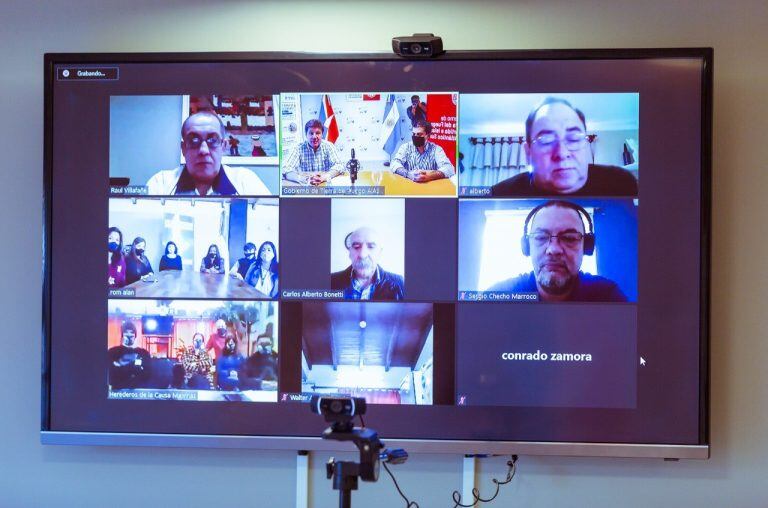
(394, 185)
(194, 284)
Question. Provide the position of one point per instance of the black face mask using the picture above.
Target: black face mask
(418, 141)
(139, 252)
(211, 256)
(249, 255)
(113, 246)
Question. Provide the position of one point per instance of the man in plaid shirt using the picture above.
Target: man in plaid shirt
(314, 161)
(421, 160)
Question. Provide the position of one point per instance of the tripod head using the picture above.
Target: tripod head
(368, 443)
(339, 412)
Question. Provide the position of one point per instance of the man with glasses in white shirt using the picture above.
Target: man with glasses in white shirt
(203, 143)
(558, 152)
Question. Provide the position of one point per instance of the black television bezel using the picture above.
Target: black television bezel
(700, 451)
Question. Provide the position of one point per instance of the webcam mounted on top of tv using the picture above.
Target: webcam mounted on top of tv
(418, 46)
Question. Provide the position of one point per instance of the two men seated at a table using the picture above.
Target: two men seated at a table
(315, 160)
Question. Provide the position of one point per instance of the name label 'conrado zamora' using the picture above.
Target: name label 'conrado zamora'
(538, 356)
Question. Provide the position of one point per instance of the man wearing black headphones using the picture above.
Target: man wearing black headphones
(364, 279)
(556, 239)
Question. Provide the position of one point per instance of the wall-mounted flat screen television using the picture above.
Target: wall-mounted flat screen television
(500, 251)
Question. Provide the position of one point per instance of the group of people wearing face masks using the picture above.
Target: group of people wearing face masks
(228, 370)
(213, 364)
(128, 265)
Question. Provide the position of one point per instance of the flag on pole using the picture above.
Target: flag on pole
(328, 120)
(390, 126)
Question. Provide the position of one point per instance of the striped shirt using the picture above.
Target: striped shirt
(354, 292)
(408, 159)
(304, 159)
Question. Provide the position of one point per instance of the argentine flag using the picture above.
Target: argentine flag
(390, 127)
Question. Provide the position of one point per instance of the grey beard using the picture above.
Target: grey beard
(363, 267)
(554, 284)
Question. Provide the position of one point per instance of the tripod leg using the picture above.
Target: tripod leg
(345, 499)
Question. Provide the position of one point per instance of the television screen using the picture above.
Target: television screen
(471, 243)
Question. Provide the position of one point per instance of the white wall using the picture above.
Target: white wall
(385, 216)
(35, 475)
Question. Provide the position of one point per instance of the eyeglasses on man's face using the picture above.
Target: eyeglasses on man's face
(194, 141)
(569, 239)
(547, 142)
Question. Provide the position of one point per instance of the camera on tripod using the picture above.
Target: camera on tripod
(339, 412)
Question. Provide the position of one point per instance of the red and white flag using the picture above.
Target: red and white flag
(329, 120)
